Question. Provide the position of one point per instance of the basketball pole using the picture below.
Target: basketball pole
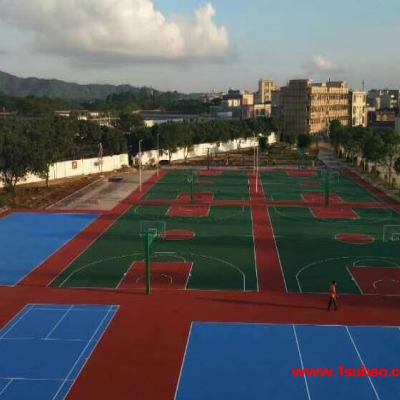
(192, 186)
(327, 188)
(140, 165)
(147, 244)
(158, 154)
(257, 170)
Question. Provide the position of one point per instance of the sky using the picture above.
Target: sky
(198, 46)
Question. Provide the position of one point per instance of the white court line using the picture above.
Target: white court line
(276, 248)
(90, 244)
(301, 360)
(324, 260)
(362, 362)
(35, 379)
(114, 310)
(354, 279)
(25, 311)
(6, 387)
(183, 361)
(81, 355)
(59, 322)
(252, 231)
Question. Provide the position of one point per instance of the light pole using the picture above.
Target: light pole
(158, 153)
(140, 164)
(254, 160)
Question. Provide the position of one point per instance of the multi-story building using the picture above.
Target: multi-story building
(384, 99)
(238, 102)
(358, 106)
(265, 88)
(397, 124)
(309, 108)
(262, 110)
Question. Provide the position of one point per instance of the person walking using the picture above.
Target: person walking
(333, 296)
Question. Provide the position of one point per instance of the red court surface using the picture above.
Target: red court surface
(334, 213)
(301, 174)
(209, 173)
(354, 238)
(375, 280)
(310, 184)
(184, 198)
(141, 354)
(320, 198)
(179, 235)
(204, 183)
(189, 211)
(164, 276)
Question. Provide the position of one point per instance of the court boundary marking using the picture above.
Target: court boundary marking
(388, 211)
(239, 212)
(31, 307)
(362, 362)
(90, 245)
(361, 258)
(253, 235)
(98, 262)
(296, 340)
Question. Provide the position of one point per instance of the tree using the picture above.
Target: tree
(16, 156)
(373, 149)
(51, 140)
(336, 134)
(391, 140)
(304, 141)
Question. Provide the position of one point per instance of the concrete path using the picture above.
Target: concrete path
(103, 194)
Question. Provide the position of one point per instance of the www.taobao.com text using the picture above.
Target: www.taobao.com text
(342, 372)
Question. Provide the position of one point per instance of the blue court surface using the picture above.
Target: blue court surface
(27, 240)
(45, 347)
(255, 362)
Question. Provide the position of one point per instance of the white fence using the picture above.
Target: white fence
(152, 157)
(68, 169)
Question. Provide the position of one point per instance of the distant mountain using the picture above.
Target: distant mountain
(13, 86)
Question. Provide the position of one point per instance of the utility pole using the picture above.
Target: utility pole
(140, 164)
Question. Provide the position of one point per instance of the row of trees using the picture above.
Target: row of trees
(184, 135)
(32, 145)
(141, 99)
(380, 147)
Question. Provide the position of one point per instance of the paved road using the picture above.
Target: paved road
(103, 194)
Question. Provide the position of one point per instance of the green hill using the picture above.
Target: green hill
(13, 86)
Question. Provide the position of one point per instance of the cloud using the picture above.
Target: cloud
(319, 64)
(117, 31)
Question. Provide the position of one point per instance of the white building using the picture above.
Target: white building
(265, 88)
(358, 105)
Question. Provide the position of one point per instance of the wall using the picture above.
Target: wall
(68, 169)
(151, 157)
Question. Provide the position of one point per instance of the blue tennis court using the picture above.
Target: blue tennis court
(255, 362)
(45, 347)
(27, 240)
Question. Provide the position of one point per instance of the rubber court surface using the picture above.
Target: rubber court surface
(250, 361)
(287, 186)
(314, 251)
(45, 347)
(219, 247)
(226, 185)
(28, 239)
(228, 261)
